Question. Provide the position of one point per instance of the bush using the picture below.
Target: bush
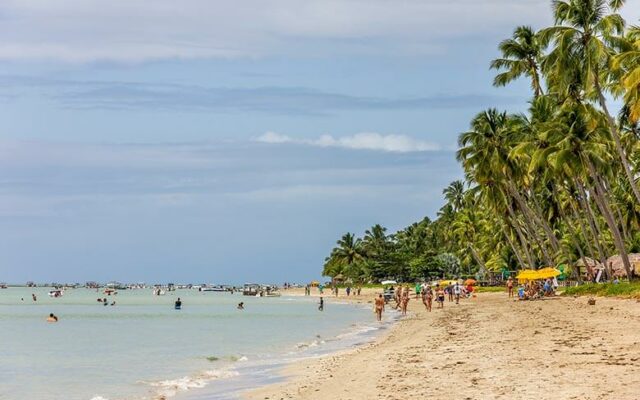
(623, 289)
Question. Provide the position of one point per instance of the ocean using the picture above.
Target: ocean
(141, 348)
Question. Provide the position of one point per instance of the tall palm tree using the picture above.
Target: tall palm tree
(583, 38)
(521, 56)
(348, 252)
(454, 194)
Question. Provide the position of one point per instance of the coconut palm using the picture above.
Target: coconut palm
(521, 56)
(583, 48)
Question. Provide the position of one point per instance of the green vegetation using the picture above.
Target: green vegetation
(622, 289)
(545, 187)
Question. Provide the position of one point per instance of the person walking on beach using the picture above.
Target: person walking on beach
(404, 301)
(449, 291)
(440, 297)
(429, 298)
(379, 305)
(456, 291)
(321, 306)
(510, 286)
(348, 290)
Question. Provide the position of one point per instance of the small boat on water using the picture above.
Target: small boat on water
(253, 289)
(211, 289)
(3, 285)
(56, 293)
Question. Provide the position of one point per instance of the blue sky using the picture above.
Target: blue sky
(212, 141)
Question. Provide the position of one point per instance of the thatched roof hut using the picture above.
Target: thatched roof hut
(617, 267)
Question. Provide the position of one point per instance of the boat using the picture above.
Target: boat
(211, 289)
(251, 289)
(56, 293)
(269, 291)
(3, 285)
(158, 291)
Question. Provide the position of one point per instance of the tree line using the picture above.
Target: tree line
(549, 186)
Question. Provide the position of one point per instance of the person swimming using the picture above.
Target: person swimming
(241, 306)
(321, 306)
(178, 304)
(52, 318)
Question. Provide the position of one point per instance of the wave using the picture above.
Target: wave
(171, 387)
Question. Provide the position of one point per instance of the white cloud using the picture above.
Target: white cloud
(359, 141)
(140, 30)
(273, 137)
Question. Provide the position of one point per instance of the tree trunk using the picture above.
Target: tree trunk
(475, 255)
(523, 240)
(602, 202)
(593, 224)
(516, 251)
(532, 215)
(587, 240)
(616, 136)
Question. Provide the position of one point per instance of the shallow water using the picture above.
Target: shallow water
(142, 348)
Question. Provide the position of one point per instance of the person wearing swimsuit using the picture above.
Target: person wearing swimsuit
(379, 306)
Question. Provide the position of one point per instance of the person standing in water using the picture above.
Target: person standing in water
(52, 318)
(178, 304)
(379, 307)
(241, 306)
(321, 306)
(33, 296)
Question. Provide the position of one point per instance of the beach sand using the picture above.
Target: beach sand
(485, 348)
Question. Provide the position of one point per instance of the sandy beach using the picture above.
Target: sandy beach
(489, 347)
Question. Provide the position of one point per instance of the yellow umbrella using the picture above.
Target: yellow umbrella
(548, 272)
(446, 283)
(528, 275)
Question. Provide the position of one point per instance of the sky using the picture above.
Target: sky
(232, 141)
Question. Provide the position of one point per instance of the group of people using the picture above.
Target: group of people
(428, 293)
(105, 302)
(532, 290)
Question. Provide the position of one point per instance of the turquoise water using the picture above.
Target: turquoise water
(142, 348)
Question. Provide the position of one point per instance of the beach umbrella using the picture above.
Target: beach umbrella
(448, 282)
(389, 282)
(528, 275)
(548, 272)
(470, 282)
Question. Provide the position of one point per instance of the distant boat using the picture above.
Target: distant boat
(56, 293)
(211, 289)
(253, 289)
(3, 285)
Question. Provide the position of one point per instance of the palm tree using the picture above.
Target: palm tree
(584, 37)
(454, 194)
(348, 252)
(521, 56)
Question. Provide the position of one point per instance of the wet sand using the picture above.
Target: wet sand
(484, 348)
